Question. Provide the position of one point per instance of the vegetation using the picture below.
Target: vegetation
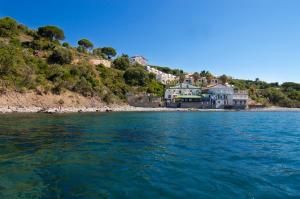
(286, 94)
(51, 32)
(168, 70)
(122, 62)
(41, 63)
(35, 60)
(86, 44)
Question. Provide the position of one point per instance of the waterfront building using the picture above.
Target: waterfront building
(182, 90)
(225, 96)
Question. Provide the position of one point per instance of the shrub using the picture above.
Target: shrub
(135, 76)
(85, 43)
(109, 52)
(51, 32)
(60, 56)
(8, 27)
(122, 62)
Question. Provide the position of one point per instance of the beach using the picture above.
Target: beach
(127, 108)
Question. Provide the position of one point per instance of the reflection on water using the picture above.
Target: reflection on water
(148, 155)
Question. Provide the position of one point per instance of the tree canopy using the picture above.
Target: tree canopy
(8, 27)
(87, 44)
(109, 52)
(135, 76)
(122, 62)
(51, 32)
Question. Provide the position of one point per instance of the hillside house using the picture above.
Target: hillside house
(139, 60)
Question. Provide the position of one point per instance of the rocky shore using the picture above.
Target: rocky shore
(68, 102)
(127, 108)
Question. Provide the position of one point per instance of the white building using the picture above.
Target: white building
(225, 96)
(162, 77)
(181, 90)
(139, 60)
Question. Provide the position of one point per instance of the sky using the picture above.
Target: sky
(245, 39)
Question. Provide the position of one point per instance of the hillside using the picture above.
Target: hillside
(39, 62)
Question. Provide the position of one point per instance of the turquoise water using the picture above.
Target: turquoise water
(150, 155)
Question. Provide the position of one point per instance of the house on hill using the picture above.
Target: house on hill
(139, 60)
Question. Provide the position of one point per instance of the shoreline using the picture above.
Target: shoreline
(127, 108)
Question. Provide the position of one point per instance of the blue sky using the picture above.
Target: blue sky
(242, 38)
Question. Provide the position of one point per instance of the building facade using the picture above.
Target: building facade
(180, 91)
(139, 60)
(162, 77)
(225, 96)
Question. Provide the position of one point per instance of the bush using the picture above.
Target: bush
(109, 52)
(51, 32)
(8, 27)
(60, 56)
(122, 62)
(135, 76)
(85, 43)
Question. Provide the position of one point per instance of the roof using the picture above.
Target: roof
(189, 96)
(139, 56)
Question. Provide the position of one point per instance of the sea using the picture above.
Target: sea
(137, 155)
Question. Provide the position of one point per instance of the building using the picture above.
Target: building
(187, 96)
(189, 79)
(139, 60)
(181, 90)
(162, 77)
(225, 96)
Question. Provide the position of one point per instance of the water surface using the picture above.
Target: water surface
(150, 155)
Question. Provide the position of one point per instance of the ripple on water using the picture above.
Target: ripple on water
(150, 155)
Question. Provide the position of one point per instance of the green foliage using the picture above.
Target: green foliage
(135, 76)
(122, 62)
(40, 44)
(66, 45)
(168, 70)
(223, 79)
(86, 44)
(81, 49)
(109, 52)
(114, 82)
(60, 56)
(98, 52)
(155, 88)
(152, 76)
(206, 74)
(8, 27)
(51, 32)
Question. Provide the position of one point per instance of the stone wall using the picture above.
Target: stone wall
(144, 101)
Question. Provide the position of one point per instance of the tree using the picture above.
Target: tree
(109, 52)
(81, 49)
(98, 52)
(152, 76)
(51, 32)
(223, 79)
(66, 45)
(86, 44)
(122, 62)
(60, 56)
(196, 76)
(8, 27)
(135, 76)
